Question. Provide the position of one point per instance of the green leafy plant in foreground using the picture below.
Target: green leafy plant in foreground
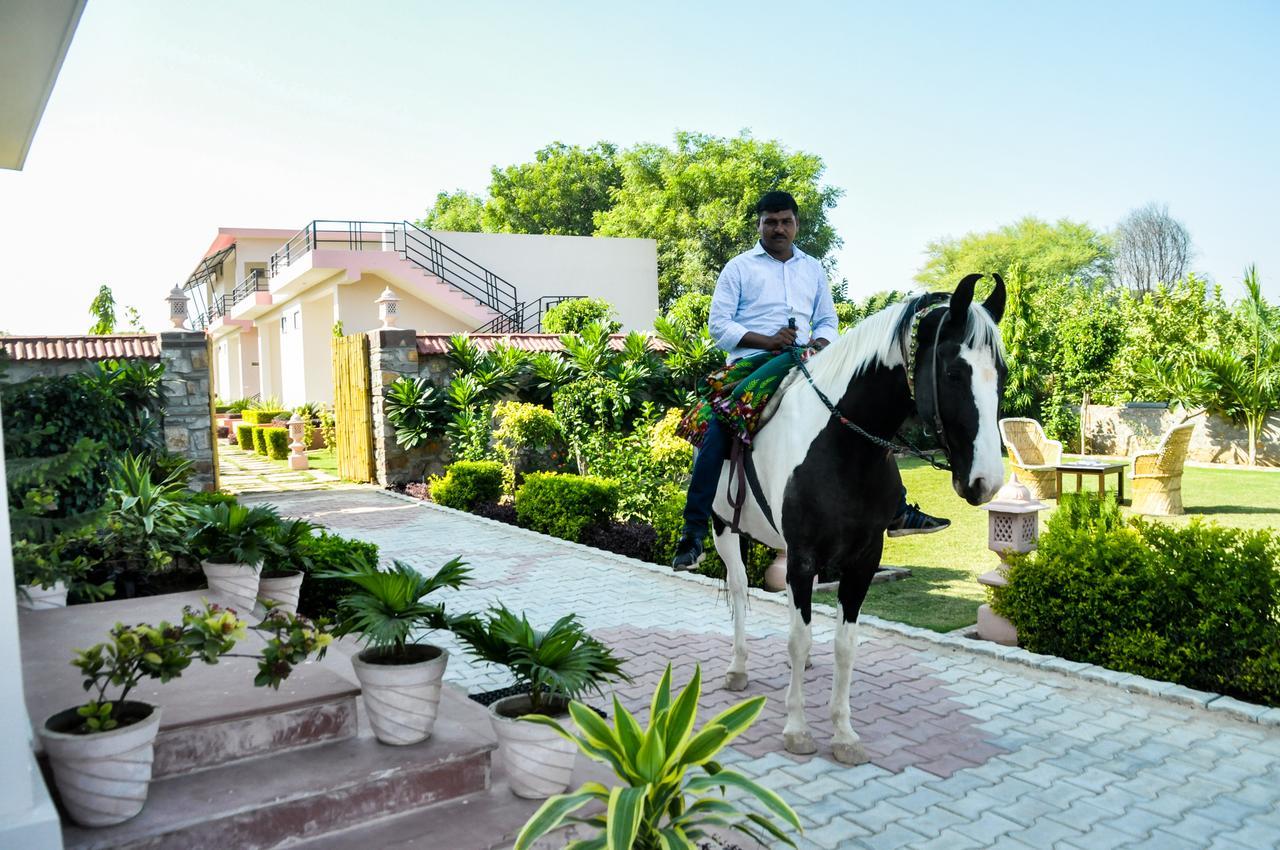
(675, 791)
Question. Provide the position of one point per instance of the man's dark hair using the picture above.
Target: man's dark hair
(776, 201)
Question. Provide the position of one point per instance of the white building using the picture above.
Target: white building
(273, 299)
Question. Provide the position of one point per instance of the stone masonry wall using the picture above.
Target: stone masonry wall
(393, 353)
(1124, 430)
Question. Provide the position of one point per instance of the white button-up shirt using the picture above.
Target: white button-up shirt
(757, 293)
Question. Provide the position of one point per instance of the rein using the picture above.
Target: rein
(888, 445)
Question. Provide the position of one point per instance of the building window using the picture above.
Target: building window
(296, 314)
(284, 324)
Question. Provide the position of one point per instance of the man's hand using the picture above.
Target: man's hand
(783, 339)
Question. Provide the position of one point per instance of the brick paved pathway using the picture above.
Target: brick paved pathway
(968, 749)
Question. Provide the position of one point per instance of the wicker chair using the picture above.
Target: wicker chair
(1033, 457)
(1157, 475)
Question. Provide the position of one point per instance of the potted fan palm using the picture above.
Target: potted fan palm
(555, 666)
(400, 678)
(286, 565)
(101, 752)
(231, 541)
(673, 792)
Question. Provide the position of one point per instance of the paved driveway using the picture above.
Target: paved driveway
(971, 746)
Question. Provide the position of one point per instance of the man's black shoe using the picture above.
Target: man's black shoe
(915, 521)
(688, 553)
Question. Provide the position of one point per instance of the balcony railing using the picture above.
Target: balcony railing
(343, 235)
(254, 281)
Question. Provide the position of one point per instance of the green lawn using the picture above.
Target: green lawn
(943, 593)
(325, 460)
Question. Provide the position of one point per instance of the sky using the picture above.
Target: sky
(935, 118)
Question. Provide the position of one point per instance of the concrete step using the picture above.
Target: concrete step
(304, 794)
(211, 715)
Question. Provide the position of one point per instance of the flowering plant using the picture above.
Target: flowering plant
(163, 651)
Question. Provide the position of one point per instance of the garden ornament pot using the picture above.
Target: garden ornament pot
(102, 777)
(37, 598)
(236, 584)
(538, 760)
(402, 699)
(283, 590)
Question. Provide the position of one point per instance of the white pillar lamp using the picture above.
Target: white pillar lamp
(388, 308)
(178, 307)
(1013, 525)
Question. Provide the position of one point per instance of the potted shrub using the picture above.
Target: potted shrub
(286, 565)
(400, 679)
(231, 542)
(556, 666)
(673, 791)
(101, 752)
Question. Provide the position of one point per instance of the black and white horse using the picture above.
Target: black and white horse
(833, 492)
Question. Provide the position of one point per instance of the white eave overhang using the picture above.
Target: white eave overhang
(34, 37)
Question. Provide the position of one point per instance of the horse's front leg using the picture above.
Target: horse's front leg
(845, 744)
(729, 545)
(795, 734)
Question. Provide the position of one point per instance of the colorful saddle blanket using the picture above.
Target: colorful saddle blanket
(738, 394)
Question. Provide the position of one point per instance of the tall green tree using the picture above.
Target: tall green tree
(103, 310)
(559, 193)
(1046, 252)
(460, 212)
(697, 199)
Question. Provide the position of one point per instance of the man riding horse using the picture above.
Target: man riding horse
(773, 285)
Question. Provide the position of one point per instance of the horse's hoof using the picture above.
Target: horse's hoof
(850, 753)
(799, 743)
(808, 663)
(735, 681)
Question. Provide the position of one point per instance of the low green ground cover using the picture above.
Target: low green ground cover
(943, 593)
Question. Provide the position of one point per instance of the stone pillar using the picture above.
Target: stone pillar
(393, 353)
(188, 404)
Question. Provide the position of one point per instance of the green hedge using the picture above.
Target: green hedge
(1198, 605)
(564, 505)
(262, 417)
(244, 436)
(319, 597)
(260, 439)
(277, 441)
(467, 483)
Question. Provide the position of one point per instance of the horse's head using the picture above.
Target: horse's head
(960, 374)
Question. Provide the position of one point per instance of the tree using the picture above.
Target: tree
(697, 200)
(1047, 253)
(460, 212)
(558, 193)
(1151, 247)
(572, 315)
(103, 310)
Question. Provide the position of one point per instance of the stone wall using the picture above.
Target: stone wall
(1123, 430)
(187, 420)
(393, 354)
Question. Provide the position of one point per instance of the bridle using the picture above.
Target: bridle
(910, 359)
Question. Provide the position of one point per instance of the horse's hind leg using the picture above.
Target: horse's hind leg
(729, 546)
(795, 734)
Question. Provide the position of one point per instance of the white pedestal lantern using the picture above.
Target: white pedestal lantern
(297, 458)
(1013, 525)
(388, 308)
(178, 307)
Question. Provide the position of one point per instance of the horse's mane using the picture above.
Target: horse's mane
(881, 338)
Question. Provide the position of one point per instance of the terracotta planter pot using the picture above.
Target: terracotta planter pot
(236, 584)
(102, 777)
(282, 590)
(39, 598)
(402, 699)
(539, 762)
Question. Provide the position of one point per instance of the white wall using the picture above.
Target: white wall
(622, 271)
(226, 367)
(358, 310)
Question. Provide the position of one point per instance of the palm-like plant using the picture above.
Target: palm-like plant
(673, 792)
(289, 552)
(234, 534)
(388, 605)
(562, 662)
(415, 409)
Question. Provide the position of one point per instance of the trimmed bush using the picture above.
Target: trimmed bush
(244, 436)
(277, 440)
(326, 551)
(262, 417)
(260, 439)
(467, 483)
(1198, 605)
(564, 505)
(211, 499)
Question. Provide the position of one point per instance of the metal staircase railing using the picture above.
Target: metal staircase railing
(527, 319)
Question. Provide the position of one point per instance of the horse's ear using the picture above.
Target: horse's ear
(962, 298)
(995, 301)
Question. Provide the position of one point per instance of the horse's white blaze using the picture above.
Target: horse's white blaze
(846, 646)
(986, 448)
